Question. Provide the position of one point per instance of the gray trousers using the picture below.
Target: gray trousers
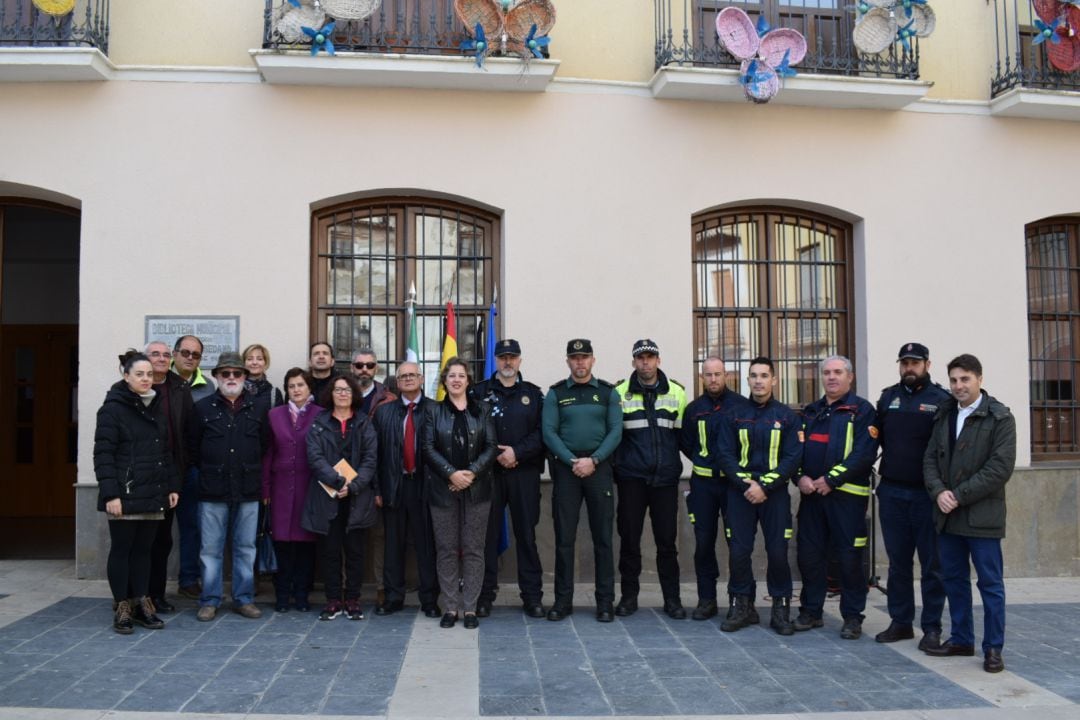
(461, 526)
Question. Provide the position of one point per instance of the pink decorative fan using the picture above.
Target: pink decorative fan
(766, 54)
(1065, 55)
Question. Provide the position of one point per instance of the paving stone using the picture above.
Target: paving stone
(355, 705)
(207, 702)
(37, 687)
(508, 682)
(577, 704)
(89, 696)
(766, 703)
(163, 693)
(512, 705)
(641, 704)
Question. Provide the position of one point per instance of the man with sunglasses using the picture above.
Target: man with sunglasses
(187, 354)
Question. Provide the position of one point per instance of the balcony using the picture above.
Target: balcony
(71, 45)
(403, 43)
(691, 64)
(1032, 78)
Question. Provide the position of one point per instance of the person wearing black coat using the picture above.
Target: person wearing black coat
(459, 446)
(399, 481)
(137, 482)
(340, 503)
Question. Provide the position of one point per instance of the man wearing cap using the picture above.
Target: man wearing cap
(226, 438)
(582, 426)
(516, 407)
(647, 470)
(905, 417)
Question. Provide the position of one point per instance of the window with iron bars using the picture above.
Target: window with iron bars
(773, 282)
(368, 256)
(1053, 286)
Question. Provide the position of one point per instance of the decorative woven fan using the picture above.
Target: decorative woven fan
(56, 8)
(289, 21)
(350, 9)
(1065, 55)
(521, 31)
(766, 54)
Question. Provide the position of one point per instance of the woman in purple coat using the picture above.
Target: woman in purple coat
(285, 481)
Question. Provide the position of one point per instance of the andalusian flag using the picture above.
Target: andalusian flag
(449, 348)
(412, 351)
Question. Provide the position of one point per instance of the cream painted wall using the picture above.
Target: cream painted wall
(185, 185)
(959, 56)
(605, 39)
(213, 33)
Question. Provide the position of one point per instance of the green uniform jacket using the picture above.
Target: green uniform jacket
(975, 468)
(582, 420)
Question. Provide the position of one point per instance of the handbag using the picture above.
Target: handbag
(265, 557)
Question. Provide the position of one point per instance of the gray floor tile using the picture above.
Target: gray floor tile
(640, 704)
(89, 696)
(163, 692)
(583, 703)
(355, 705)
(207, 702)
(512, 705)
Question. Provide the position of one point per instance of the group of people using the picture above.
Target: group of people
(339, 462)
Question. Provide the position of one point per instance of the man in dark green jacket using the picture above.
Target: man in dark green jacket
(582, 426)
(970, 457)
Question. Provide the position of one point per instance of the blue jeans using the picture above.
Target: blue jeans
(907, 526)
(240, 521)
(187, 523)
(985, 554)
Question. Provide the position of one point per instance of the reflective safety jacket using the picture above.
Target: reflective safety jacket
(651, 420)
(765, 445)
(846, 427)
(703, 419)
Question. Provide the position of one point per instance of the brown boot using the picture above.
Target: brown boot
(122, 618)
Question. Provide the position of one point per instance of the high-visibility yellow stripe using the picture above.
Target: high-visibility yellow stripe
(787, 534)
(702, 471)
(849, 441)
(727, 532)
(691, 516)
(703, 440)
(769, 478)
(629, 406)
(774, 448)
(665, 422)
(667, 402)
(635, 424)
(861, 490)
(744, 440)
(860, 542)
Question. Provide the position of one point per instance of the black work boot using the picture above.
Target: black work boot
(730, 606)
(781, 616)
(739, 617)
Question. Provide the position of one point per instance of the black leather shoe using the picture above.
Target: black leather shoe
(533, 610)
(448, 620)
(432, 611)
(627, 606)
(483, 609)
(894, 633)
(605, 614)
(948, 649)
(806, 621)
(559, 612)
(389, 608)
(705, 609)
(163, 606)
(852, 629)
(930, 639)
(993, 663)
(471, 620)
(674, 610)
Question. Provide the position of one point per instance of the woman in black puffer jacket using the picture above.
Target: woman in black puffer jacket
(137, 481)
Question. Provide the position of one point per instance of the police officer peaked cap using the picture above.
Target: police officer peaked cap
(579, 346)
(507, 347)
(646, 346)
(229, 359)
(916, 351)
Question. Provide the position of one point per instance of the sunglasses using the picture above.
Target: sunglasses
(231, 373)
(193, 354)
(364, 365)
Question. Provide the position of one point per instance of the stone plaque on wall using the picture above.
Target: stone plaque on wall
(218, 333)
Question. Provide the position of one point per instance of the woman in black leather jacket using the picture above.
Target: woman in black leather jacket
(459, 447)
(137, 481)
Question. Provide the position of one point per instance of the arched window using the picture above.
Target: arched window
(1053, 285)
(775, 282)
(369, 254)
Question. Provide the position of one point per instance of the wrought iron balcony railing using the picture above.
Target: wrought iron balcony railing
(22, 24)
(1023, 62)
(686, 36)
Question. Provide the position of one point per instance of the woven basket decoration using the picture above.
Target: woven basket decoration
(763, 89)
(58, 8)
(484, 12)
(875, 32)
(288, 23)
(1047, 10)
(1065, 55)
(924, 18)
(528, 13)
(779, 42)
(737, 33)
(881, 3)
(350, 9)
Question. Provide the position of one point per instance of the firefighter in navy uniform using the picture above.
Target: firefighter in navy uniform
(905, 418)
(768, 451)
(516, 406)
(703, 421)
(839, 450)
(647, 470)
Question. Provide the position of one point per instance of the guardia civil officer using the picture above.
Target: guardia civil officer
(516, 407)
(705, 419)
(905, 417)
(647, 470)
(582, 425)
(767, 454)
(840, 448)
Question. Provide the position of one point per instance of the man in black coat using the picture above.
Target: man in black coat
(399, 483)
(516, 406)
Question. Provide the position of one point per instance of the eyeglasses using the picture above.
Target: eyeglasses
(365, 365)
(342, 391)
(193, 354)
(409, 376)
(231, 373)
(160, 354)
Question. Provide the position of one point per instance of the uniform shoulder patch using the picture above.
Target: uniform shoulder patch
(873, 431)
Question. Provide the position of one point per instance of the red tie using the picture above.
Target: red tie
(410, 441)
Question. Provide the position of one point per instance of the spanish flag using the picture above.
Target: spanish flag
(449, 348)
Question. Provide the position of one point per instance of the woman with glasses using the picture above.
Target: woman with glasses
(285, 480)
(459, 448)
(137, 481)
(340, 503)
(263, 393)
